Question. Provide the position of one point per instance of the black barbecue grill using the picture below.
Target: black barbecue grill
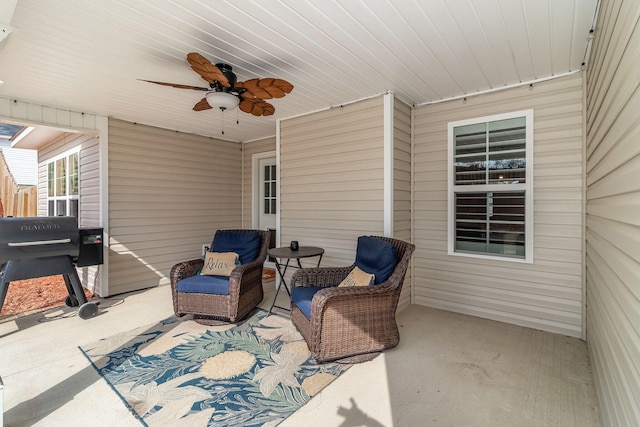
(48, 246)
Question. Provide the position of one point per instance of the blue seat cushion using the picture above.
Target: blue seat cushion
(302, 296)
(377, 257)
(246, 244)
(218, 285)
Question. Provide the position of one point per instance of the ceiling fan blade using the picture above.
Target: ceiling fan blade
(179, 86)
(206, 69)
(266, 88)
(202, 105)
(257, 107)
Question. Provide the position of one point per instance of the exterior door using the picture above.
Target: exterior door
(266, 202)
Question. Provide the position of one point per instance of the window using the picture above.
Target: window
(270, 189)
(490, 186)
(63, 186)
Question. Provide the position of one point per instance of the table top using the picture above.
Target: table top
(302, 252)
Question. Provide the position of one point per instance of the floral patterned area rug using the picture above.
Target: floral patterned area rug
(255, 373)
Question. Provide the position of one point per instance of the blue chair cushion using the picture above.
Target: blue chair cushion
(246, 244)
(377, 257)
(302, 296)
(218, 285)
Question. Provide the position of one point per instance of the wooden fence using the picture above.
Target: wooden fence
(15, 200)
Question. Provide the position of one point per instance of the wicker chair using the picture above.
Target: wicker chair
(245, 288)
(351, 324)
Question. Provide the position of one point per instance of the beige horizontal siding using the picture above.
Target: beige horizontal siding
(168, 194)
(332, 178)
(89, 199)
(613, 212)
(547, 294)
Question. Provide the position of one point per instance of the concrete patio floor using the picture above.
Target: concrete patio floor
(449, 370)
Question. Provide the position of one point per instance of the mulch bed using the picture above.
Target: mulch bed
(31, 295)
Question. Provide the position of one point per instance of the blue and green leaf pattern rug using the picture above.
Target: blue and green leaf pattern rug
(255, 373)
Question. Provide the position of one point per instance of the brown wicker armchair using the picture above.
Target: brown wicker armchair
(350, 324)
(244, 287)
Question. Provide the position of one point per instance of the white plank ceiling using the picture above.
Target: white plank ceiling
(87, 56)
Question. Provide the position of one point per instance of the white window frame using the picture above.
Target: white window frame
(527, 187)
(67, 197)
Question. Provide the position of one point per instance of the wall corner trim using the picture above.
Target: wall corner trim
(388, 163)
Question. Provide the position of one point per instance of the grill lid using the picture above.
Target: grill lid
(23, 238)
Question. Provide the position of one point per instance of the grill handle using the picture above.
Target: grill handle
(38, 243)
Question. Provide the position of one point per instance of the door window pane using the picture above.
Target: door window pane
(269, 197)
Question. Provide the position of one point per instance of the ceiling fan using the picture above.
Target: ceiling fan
(226, 93)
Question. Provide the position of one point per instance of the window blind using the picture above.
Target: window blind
(491, 153)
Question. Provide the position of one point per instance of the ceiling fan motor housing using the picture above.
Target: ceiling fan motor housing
(226, 69)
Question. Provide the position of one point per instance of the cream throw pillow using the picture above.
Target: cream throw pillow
(357, 277)
(219, 263)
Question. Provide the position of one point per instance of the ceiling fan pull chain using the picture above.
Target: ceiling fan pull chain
(222, 120)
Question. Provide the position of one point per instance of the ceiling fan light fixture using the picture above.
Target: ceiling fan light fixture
(222, 100)
(226, 93)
